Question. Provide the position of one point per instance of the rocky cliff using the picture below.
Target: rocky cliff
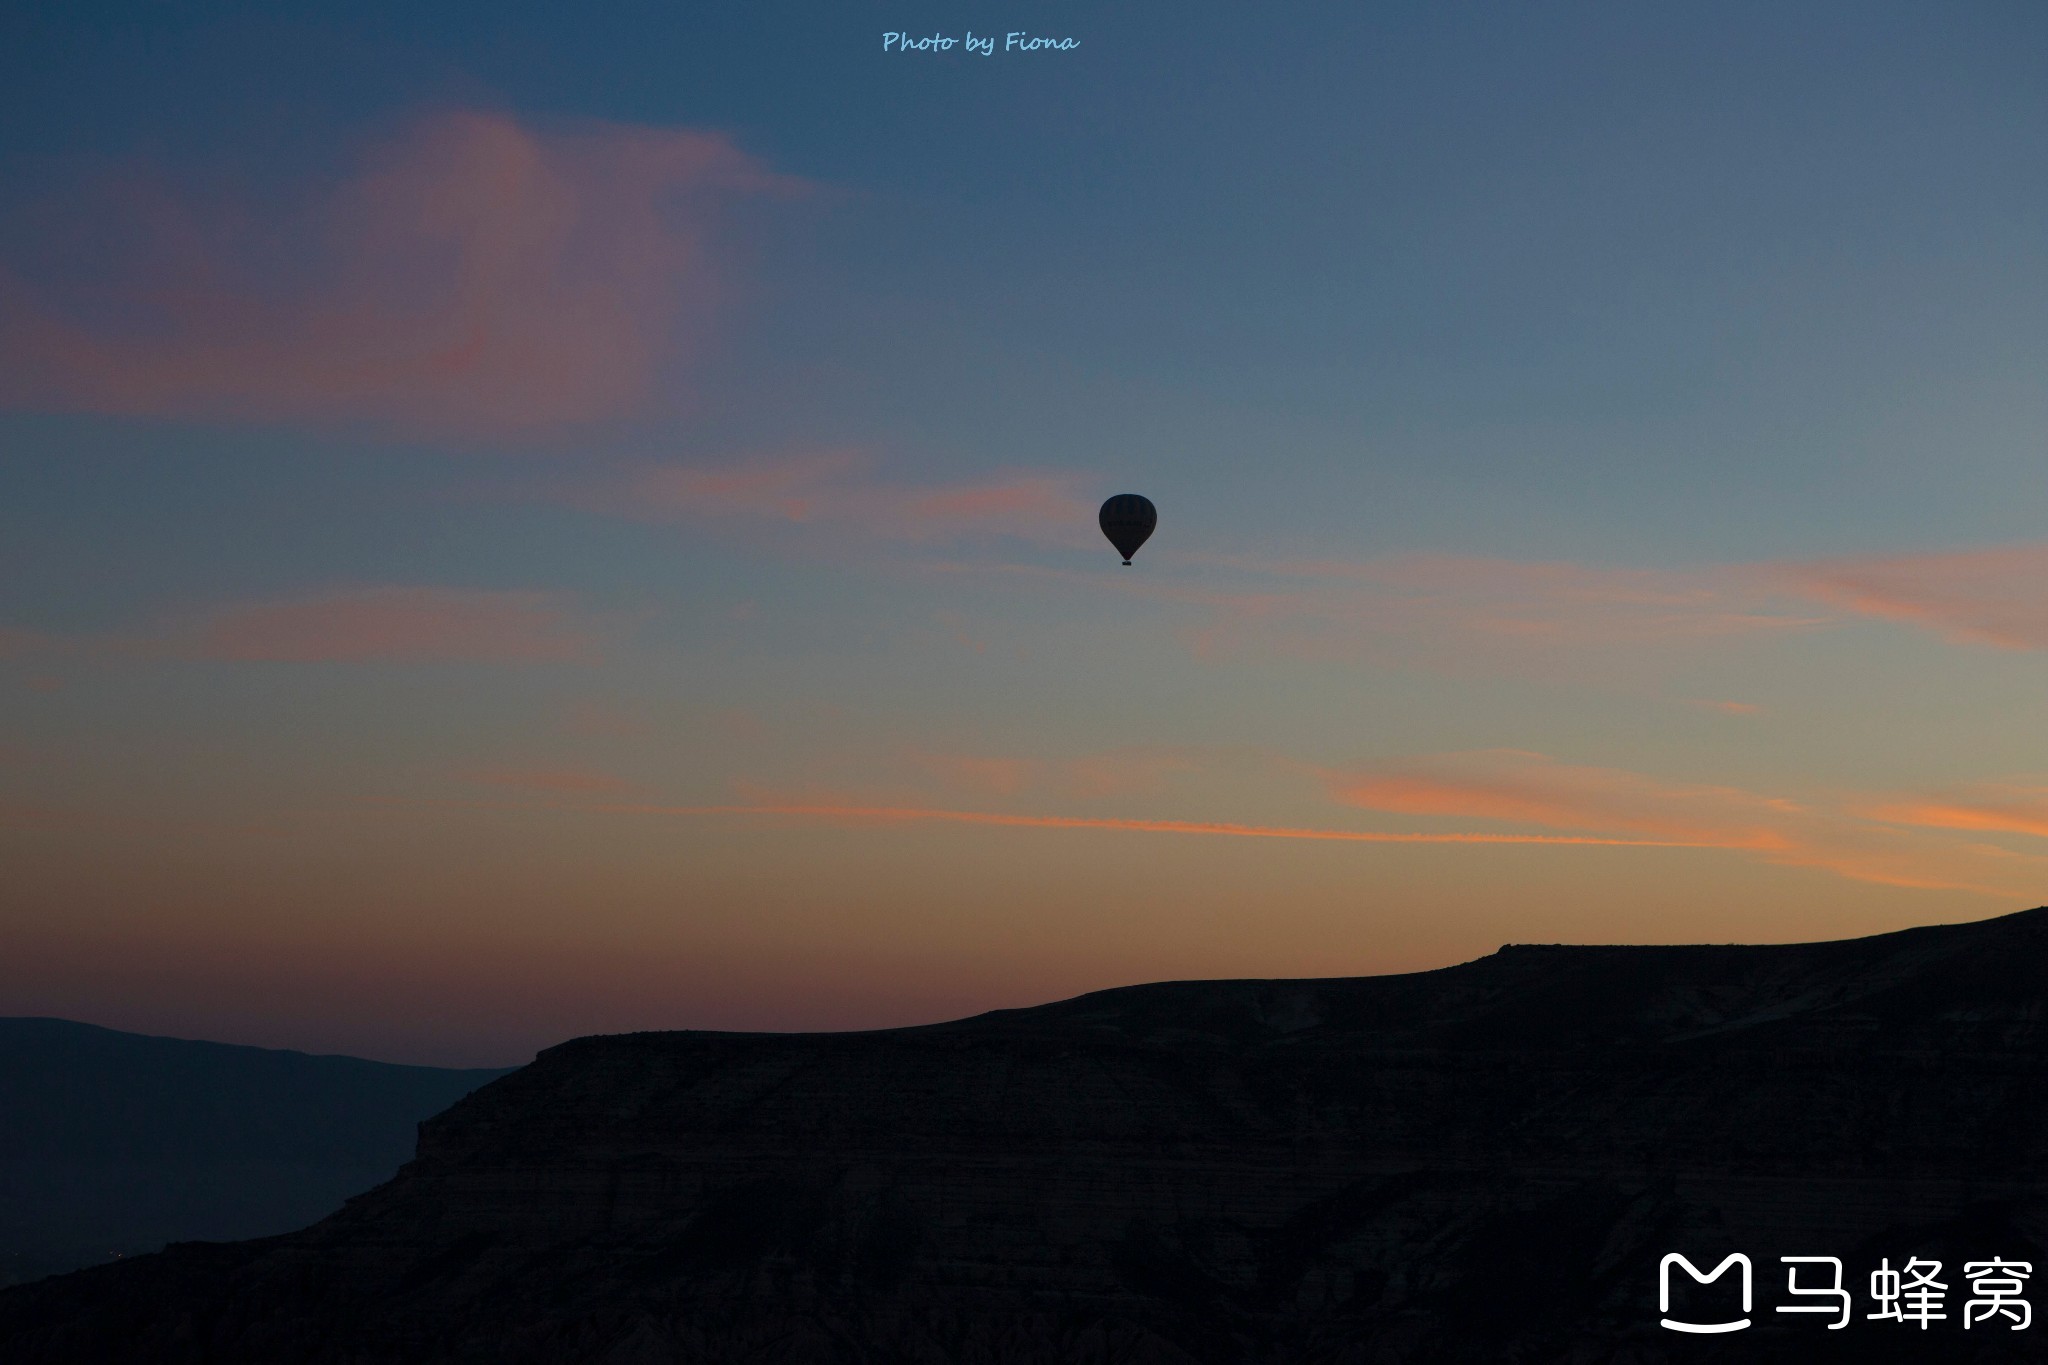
(1483, 1163)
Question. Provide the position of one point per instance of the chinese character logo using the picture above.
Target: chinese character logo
(1999, 1284)
(1911, 1295)
(1832, 1290)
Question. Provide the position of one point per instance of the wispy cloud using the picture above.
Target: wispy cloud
(1989, 807)
(1448, 610)
(861, 814)
(397, 624)
(1517, 797)
(477, 276)
(1996, 596)
(382, 624)
(839, 490)
(1509, 601)
(1420, 606)
(1530, 788)
(1427, 605)
(1516, 787)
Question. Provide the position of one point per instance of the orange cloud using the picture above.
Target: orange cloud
(1995, 597)
(1575, 805)
(1524, 788)
(1834, 832)
(477, 276)
(1527, 788)
(913, 814)
(834, 488)
(398, 624)
(1997, 809)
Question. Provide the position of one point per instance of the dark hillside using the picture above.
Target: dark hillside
(1484, 1163)
(116, 1143)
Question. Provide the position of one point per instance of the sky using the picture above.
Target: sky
(518, 521)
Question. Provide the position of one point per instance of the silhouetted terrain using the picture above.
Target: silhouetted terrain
(1484, 1163)
(116, 1143)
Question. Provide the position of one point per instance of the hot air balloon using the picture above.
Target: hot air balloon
(1127, 519)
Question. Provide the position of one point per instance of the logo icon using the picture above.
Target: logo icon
(1664, 1291)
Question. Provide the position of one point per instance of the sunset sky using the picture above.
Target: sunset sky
(518, 523)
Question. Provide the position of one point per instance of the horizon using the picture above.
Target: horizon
(509, 1066)
(518, 524)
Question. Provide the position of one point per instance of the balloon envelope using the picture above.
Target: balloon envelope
(1127, 519)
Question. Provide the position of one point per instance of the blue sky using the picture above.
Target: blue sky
(463, 463)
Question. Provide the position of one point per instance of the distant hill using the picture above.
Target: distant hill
(1480, 1164)
(112, 1144)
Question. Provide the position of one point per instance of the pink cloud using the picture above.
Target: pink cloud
(397, 624)
(837, 489)
(1995, 597)
(475, 277)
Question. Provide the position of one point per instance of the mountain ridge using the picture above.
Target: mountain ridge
(115, 1143)
(1481, 1162)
